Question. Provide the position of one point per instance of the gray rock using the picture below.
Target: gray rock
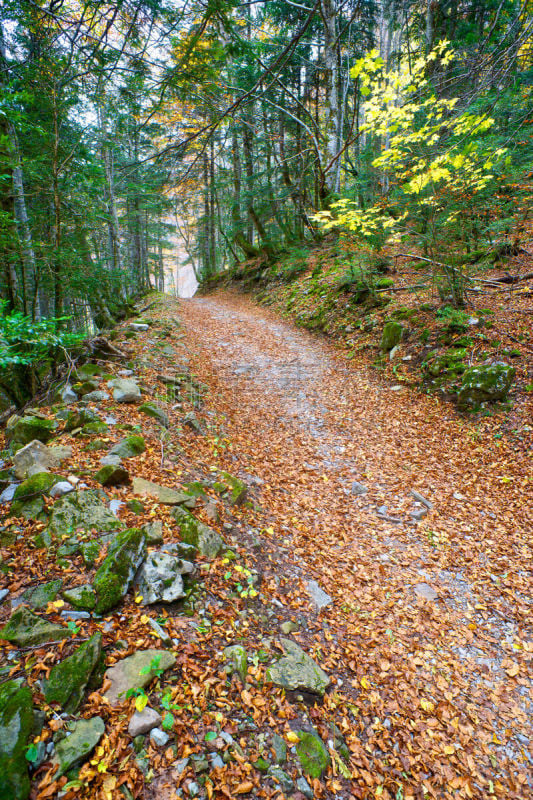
(125, 373)
(160, 632)
(358, 488)
(159, 579)
(78, 744)
(163, 494)
(125, 390)
(280, 748)
(304, 788)
(9, 493)
(421, 499)
(193, 531)
(158, 737)
(112, 475)
(69, 679)
(16, 722)
(3, 594)
(418, 514)
(237, 657)
(319, 597)
(143, 722)
(296, 670)
(190, 420)
(111, 459)
(68, 395)
(425, 592)
(139, 326)
(216, 761)
(136, 671)
(280, 777)
(61, 488)
(154, 533)
(37, 457)
(25, 628)
(98, 396)
(71, 614)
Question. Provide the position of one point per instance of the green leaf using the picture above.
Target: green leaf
(168, 721)
(210, 736)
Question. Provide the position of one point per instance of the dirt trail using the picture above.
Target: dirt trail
(429, 628)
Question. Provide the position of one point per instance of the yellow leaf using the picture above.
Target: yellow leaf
(292, 737)
(140, 702)
(365, 683)
(427, 705)
(144, 619)
(139, 599)
(449, 750)
(58, 604)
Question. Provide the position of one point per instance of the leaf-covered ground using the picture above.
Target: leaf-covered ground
(427, 635)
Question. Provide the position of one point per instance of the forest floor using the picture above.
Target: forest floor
(414, 525)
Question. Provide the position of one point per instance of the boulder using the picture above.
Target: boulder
(83, 597)
(312, 754)
(485, 384)
(22, 430)
(155, 411)
(16, 722)
(125, 390)
(297, 671)
(163, 494)
(81, 510)
(143, 721)
(78, 744)
(69, 679)
(37, 457)
(135, 672)
(40, 596)
(392, 335)
(25, 629)
(130, 446)
(112, 475)
(207, 541)
(160, 580)
(114, 576)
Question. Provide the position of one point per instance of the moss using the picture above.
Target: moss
(68, 680)
(79, 418)
(130, 446)
(312, 754)
(112, 475)
(38, 484)
(392, 335)
(24, 430)
(83, 597)
(96, 444)
(154, 411)
(89, 552)
(135, 506)
(94, 428)
(485, 383)
(16, 719)
(40, 596)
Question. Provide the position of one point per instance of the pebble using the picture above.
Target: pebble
(216, 761)
(358, 488)
(159, 737)
(73, 614)
(125, 373)
(418, 514)
(304, 788)
(193, 788)
(159, 631)
(179, 766)
(425, 591)
(319, 597)
(3, 594)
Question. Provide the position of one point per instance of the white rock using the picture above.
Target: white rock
(68, 395)
(139, 326)
(159, 579)
(159, 737)
(319, 597)
(125, 391)
(73, 479)
(61, 488)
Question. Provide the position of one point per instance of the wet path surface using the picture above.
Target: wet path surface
(415, 524)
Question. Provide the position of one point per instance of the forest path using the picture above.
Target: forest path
(427, 630)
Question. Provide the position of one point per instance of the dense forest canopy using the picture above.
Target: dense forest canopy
(238, 129)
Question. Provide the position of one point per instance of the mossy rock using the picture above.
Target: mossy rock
(86, 386)
(75, 748)
(129, 447)
(94, 429)
(82, 597)
(96, 444)
(16, 722)
(237, 659)
(69, 679)
(81, 510)
(486, 383)
(207, 541)
(232, 489)
(450, 361)
(312, 754)
(156, 412)
(25, 629)
(28, 498)
(79, 418)
(40, 596)
(23, 430)
(88, 371)
(113, 578)
(135, 506)
(392, 335)
(89, 552)
(112, 475)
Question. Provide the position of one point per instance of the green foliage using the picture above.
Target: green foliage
(25, 342)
